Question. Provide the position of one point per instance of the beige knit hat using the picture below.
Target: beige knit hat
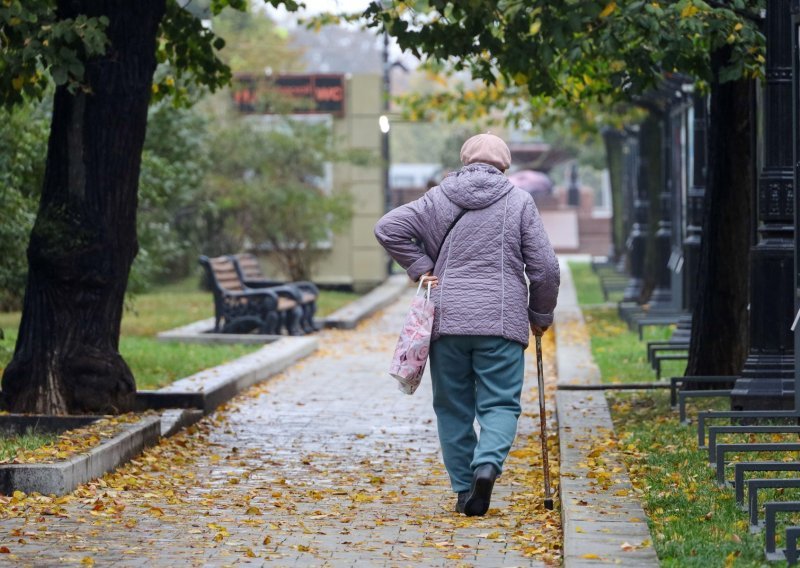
(487, 149)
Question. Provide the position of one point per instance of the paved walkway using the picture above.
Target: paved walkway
(325, 465)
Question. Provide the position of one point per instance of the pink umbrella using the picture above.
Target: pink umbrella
(532, 181)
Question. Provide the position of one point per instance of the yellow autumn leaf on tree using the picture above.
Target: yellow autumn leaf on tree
(689, 11)
(535, 27)
(608, 10)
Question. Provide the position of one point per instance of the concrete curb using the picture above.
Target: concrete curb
(350, 315)
(64, 476)
(218, 385)
(603, 523)
(198, 332)
(174, 420)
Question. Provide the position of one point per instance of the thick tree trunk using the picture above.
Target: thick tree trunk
(719, 342)
(84, 240)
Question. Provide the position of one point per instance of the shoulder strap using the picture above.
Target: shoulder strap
(450, 228)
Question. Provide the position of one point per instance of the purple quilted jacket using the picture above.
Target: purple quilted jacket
(483, 263)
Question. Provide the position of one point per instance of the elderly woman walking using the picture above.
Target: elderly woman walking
(475, 237)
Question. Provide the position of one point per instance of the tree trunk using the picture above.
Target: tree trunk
(719, 342)
(84, 239)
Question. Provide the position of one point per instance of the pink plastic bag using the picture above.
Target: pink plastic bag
(411, 353)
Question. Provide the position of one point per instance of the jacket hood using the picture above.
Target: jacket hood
(476, 186)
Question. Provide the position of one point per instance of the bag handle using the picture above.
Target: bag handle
(419, 287)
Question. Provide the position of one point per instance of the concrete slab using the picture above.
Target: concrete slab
(602, 518)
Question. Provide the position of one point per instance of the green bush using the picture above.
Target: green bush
(171, 210)
(266, 185)
(23, 145)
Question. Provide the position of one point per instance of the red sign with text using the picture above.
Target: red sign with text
(296, 94)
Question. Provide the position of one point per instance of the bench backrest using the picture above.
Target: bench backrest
(250, 268)
(224, 273)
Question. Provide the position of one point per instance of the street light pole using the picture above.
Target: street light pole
(771, 356)
(384, 127)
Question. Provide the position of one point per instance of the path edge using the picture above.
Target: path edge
(608, 525)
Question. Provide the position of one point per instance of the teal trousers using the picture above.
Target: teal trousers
(475, 377)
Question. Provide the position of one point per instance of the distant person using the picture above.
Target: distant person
(484, 307)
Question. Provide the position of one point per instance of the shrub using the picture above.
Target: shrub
(23, 148)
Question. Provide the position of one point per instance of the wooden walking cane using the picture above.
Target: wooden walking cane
(548, 498)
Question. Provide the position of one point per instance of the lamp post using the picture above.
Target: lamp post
(383, 124)
(770, 361)
(574, 190)
(694, 200)
(638, 225)
(614, 141)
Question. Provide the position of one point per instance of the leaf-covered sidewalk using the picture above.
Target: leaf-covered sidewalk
(325, 465)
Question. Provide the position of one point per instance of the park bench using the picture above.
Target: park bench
(304, 293)
(241, 309)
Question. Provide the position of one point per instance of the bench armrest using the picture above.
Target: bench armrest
(263, 283)
(306, 286)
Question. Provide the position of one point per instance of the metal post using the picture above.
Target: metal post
(695, 199)
(636, 238)
(385, 155)
(630, 156)
(687, 265)
(386, 94)
(574, 190)
(614, 141)
(661, 299)
(796, 157)
(771, 354)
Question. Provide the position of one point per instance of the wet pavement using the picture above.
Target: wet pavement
(327, 464)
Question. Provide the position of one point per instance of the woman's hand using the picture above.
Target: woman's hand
(537, 330)
(429, 278)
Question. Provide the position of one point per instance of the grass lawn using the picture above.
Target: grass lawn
(615, 348)
(586, 283)
(31, 440)
(692, 520)
(156, 364)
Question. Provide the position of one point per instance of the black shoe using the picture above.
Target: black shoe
(462, 499)
(481, 492)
